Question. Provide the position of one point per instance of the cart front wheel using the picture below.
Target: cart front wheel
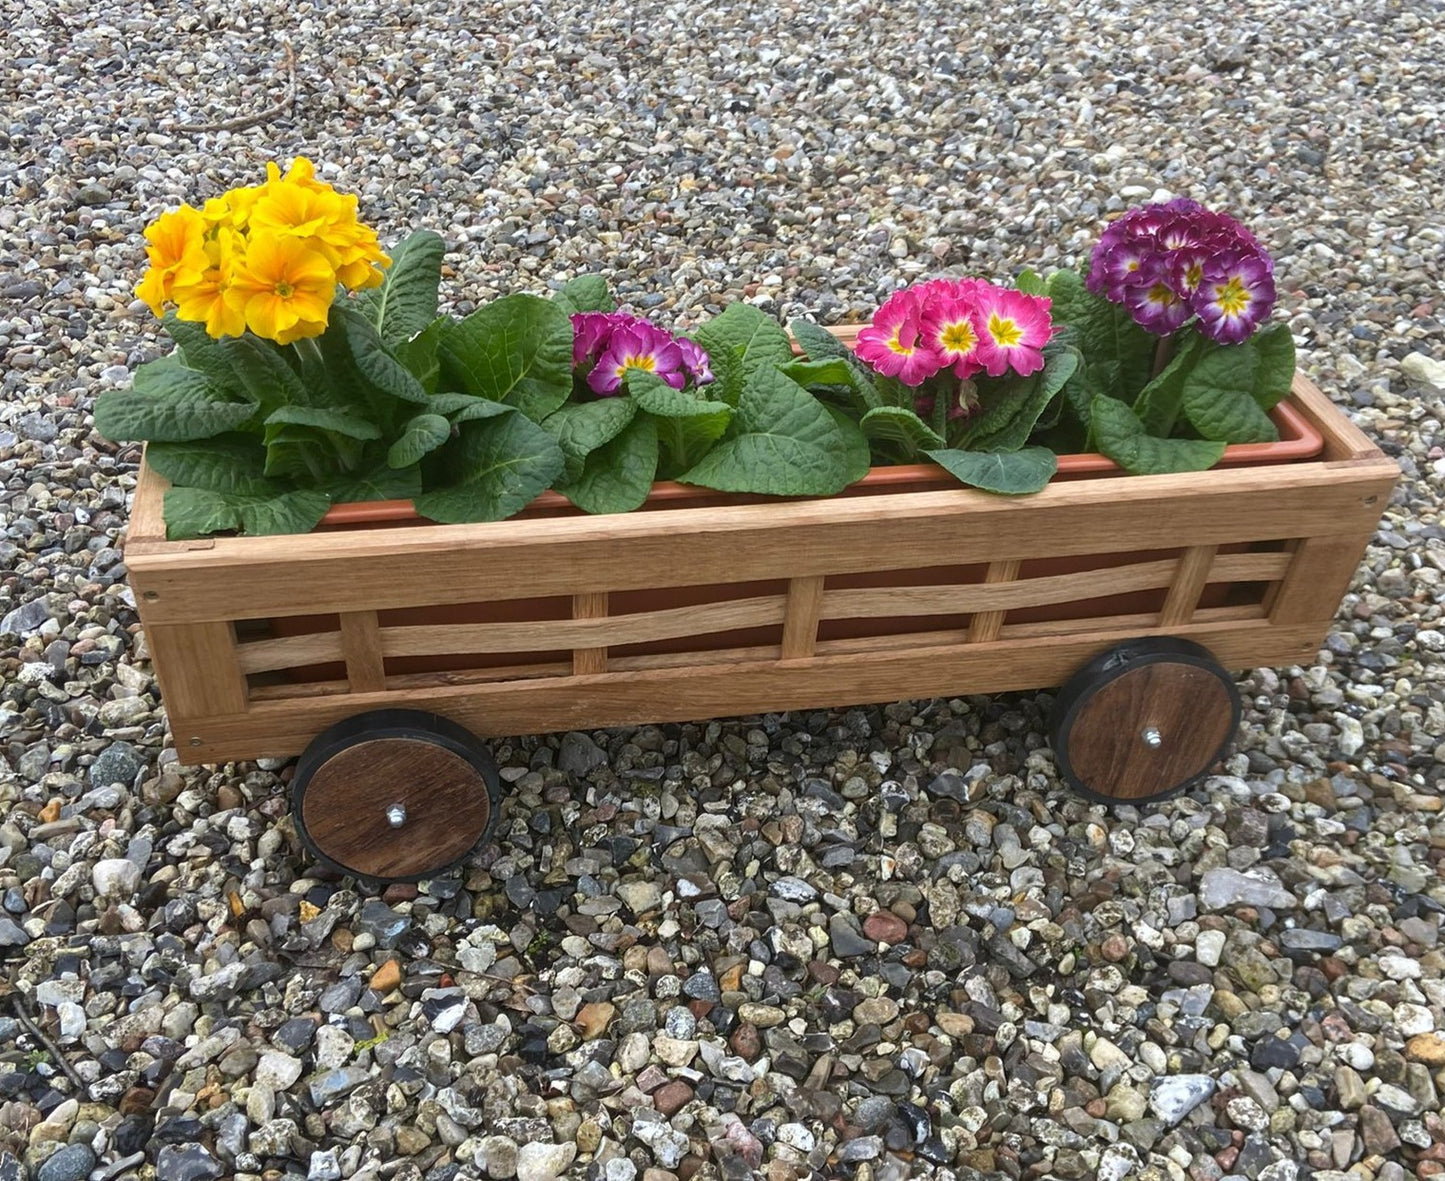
(394, 795)
(1144, 720)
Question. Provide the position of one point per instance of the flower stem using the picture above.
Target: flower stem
(1163, 354)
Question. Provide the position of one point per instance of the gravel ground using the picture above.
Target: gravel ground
(872, 944)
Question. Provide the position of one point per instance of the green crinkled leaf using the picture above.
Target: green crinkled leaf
(201, 351)
(585, 293)
(375, 363)
(1013, 473)
(832, 371)
(419, 354)
(1120, 435)
(1012, 406)
(1218, 395)
(462, 408)
(900, 430)
(749, 334)
(1160, 401)
(783, 442)
(195, 512)
(169, 403)
(406, 301)
(617, 476)
(325, 419)
(517, 350)
(419, 436)
(688, 422)
(1030, 282)
(497, 467)
(222, 463)
(382, 483)
(1104, 332)
(1274, 346)
(817, 342)
(267, 377)
(580, 428)
(309, 454)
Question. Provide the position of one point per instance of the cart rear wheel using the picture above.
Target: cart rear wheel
(394, 795)
(1144, 720)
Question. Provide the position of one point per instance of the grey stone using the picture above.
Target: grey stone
(120, 762)
(71, 1163)
(1173, 1097)
(1221, 887)
(578, 755)
(187, 1162)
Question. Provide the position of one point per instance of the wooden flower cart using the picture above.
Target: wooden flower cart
(383, 649)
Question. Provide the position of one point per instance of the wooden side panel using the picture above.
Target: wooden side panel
(1343, 439)
(693, 692)
(262, 577)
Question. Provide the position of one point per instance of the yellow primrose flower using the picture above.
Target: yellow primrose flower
(302, 173)
(177, 255)
(285, 288)
(291, 211)
(209, 298)
(232, 208)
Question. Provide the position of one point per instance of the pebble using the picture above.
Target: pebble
(776, 931)
(544, 1162)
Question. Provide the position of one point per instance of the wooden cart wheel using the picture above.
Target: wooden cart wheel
(1144, 720)
(394, 795)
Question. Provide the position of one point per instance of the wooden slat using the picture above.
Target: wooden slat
(280, 728)
(1249, 567)
(1319, 574)
(893, 602)
(589, 605)
(361, 645)
(1190, 579)
(252, 577)
(199, 672)
(800, 621)
(550, 635)
(264, 656)
(986, 624)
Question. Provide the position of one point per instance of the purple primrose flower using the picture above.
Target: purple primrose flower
(614, 344)
(1173, 260)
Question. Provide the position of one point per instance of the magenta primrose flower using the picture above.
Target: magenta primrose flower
(617, 343)
(1174, 260)
(967, 325)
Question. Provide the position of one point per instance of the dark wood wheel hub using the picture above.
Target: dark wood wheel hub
(394, 795)
(1144, 720)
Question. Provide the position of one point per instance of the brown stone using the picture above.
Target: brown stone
(672, 1098)
(593, 1018)
(746, 1042)
(884, 926)
(823, 973)
(386, 977)
(1377, 1132)
(51, 812)
(732, 979)
(341, 939)
(136, 1100)
(1115, 948)
(1428, 1048)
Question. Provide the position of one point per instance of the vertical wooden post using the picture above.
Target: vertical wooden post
(589, 605)
(986, 625)
(1190, 578)
(800, 617)
(200, 672)
(361, 645)
(1317, 578)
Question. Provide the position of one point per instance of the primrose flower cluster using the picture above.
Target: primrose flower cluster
(1173, 260)
(266, 258)
(968, 325)
(615, 344)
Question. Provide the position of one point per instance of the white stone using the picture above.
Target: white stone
(1208, 946)
(115, 877)
(1221, 887)
(1105, 1055)
(1410, 1020)
(1175, 1097)
(544, 1162)
(797, 1136)
(1400, 967)
(277, 1071)
(1424, 372)
(333, 1047)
